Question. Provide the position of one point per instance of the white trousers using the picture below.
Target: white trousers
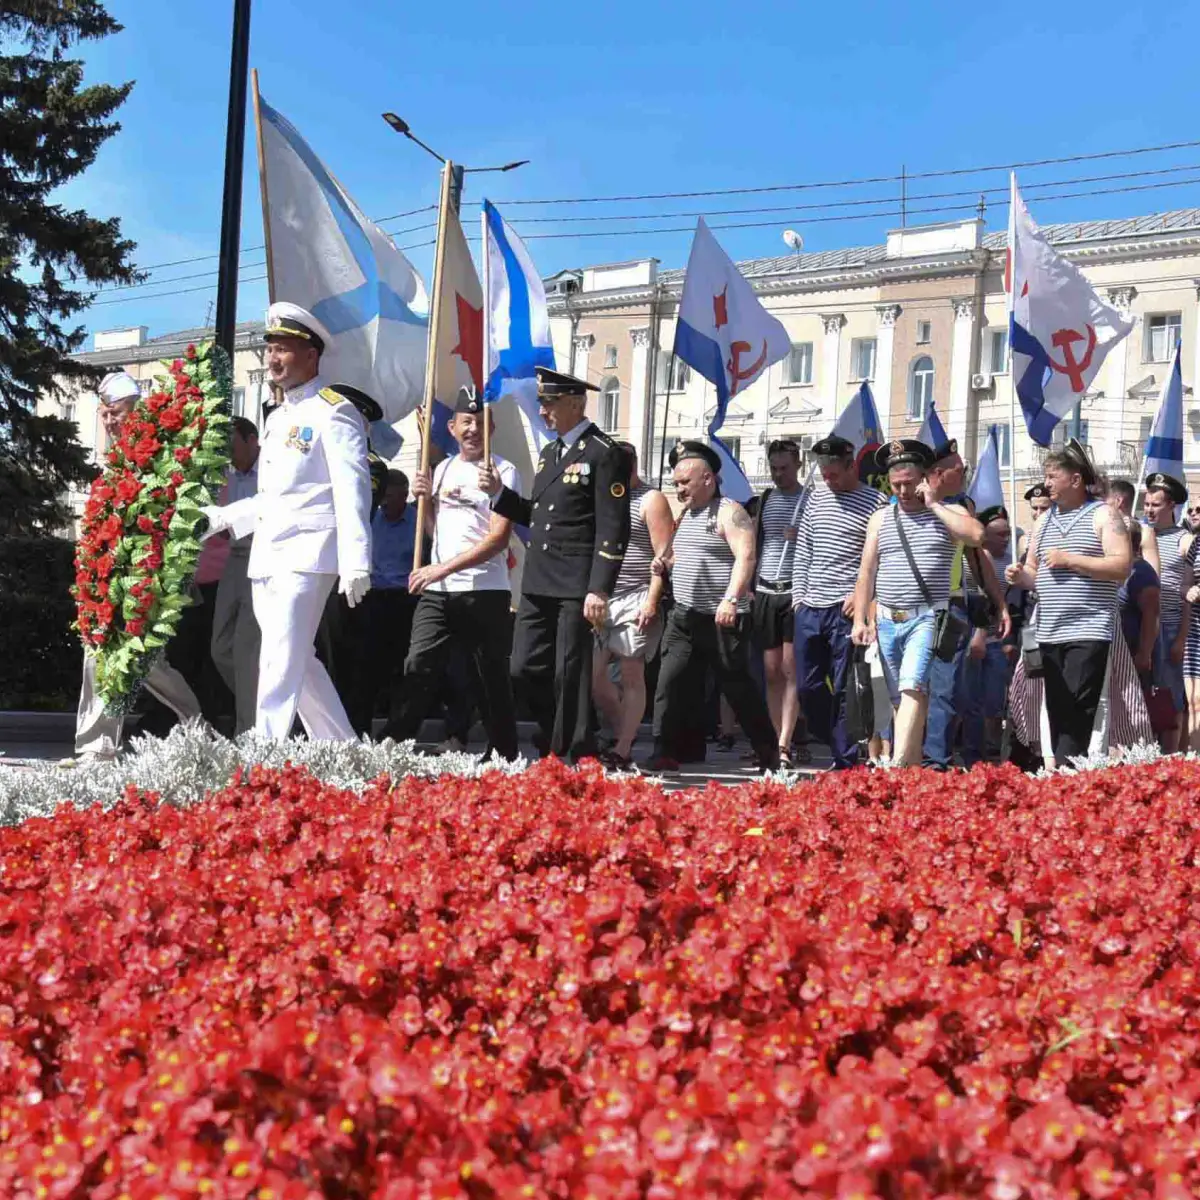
(291, 681)
(98, 733)
(235, 641)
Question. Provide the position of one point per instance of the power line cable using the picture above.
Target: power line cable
(796, 187)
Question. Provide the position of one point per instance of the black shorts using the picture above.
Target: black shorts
(771, 620)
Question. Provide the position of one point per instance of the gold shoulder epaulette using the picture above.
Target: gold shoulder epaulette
(331, 397)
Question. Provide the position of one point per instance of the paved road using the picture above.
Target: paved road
(722, 766)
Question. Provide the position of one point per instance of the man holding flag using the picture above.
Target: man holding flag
(1165, 490)
(578, 520)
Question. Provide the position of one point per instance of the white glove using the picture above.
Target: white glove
(217, 521)
(354, 588)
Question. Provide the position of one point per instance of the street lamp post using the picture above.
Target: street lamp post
(456, 171)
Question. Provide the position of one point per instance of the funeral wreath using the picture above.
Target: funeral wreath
(137, 547)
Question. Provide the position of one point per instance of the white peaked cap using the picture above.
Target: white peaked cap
(290, 320)
(117, 386)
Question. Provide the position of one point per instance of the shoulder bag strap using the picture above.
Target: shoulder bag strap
(912, 562)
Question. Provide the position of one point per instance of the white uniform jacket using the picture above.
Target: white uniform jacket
(312, 510)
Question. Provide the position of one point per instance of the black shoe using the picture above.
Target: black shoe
(541, 743)
(661, 764)
(612, 761)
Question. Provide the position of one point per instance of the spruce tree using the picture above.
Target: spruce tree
(51, 258)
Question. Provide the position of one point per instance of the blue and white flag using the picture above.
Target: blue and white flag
(1164, 448)
(932, 432)
(986, 489)
(328, 257)
(725, 335)
(517, 322)
(860, 424)
(1061, 331)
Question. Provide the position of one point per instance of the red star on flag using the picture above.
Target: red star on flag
(720, 315)
(470, 338)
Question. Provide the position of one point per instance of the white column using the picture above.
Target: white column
(961, 347)
(638, 390)
(256, 395)
(830, 355)
(581, 347)
(885, 338)
(1117, 367)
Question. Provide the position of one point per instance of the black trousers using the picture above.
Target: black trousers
(1074, 682)
(552, 672)
(475, 621)
(692, 636)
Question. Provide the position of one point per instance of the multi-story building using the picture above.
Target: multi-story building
(922, 316)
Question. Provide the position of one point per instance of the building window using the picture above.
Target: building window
(610, 356)
(924, 333)
(610, 405)
(68, 410)
(997, 356)
(920, 387)
(1004, 443)
(734, 446)
(862, 358)
(1161, 337)
(237, 402)
(673, 373)
(145, 386)
(799, 368)
(1144, 426)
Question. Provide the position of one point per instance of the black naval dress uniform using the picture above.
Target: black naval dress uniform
(578, 521)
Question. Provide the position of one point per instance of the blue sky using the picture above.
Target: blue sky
(633, 98)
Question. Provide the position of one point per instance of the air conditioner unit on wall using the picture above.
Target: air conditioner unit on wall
(981, 380)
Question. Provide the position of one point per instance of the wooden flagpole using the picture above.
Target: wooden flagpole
(435, 321)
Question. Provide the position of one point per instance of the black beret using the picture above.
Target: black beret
(833, 447)
(945, 450)
(997, 512)
(1037, 492)
(903, 452)
(1169, 484)
(682, 451)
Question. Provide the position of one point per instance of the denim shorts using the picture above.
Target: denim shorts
(1166, 673)
(906, 648)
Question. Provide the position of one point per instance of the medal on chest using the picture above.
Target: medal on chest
(300, 437)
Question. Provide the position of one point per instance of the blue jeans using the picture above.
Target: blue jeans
(906, 648)
(822, 648)
(983, 687)
(944, 696)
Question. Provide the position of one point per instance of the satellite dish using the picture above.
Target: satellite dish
(793, 240)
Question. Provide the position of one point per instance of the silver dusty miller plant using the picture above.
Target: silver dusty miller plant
(190, 762)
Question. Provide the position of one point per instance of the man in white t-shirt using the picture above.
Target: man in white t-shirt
(464, 591)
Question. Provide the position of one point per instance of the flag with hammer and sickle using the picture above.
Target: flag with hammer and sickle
(725, 335)
(1061, 330)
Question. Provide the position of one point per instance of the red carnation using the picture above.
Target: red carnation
(145, 524)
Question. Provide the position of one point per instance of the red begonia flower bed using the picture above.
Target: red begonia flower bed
(882, 985)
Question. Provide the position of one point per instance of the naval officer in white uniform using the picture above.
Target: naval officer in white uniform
(311, 526)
